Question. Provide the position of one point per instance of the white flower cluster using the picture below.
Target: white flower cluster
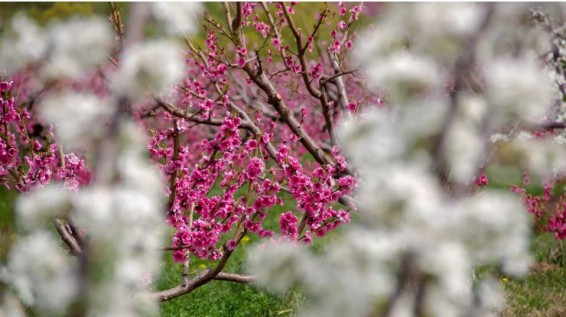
(22, 44)
(118, 216)
(65, 49)
(77, 118)
(123, 220)
(76, 46)
(150, 67)
(125, 223)
(41, 273)
(417, 241)
(178, 17)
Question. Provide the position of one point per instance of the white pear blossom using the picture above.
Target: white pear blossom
(426, 237)
(76, 46)
(35, 209)
(378, 128)
(464, 148)
(542, 157)
(518, 87)
(120, 216)
(379, 43)
(78, 117)
(491, 299)
(149, 68)
(285, 267)
(178, 17)
(41, 273)
(22, 44)
(442, 19)
(494, 225)
(10, 306)
(404, 75)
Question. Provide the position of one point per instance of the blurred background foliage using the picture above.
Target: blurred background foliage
(305, 17)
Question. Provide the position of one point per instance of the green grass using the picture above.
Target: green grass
(541, 293)
(219, 298)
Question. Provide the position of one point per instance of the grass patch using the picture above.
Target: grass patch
(541, 293)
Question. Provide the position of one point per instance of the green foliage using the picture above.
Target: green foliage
(541, 293)
(7, 222)
(43, 12)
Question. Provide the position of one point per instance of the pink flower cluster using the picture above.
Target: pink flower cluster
(228, 154)
(28, 157)
(314, 194)
(234, 168)
(548, 208)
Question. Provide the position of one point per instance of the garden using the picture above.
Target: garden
(282, 159)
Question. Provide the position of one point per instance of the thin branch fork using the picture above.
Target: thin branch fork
(276, 101)
(193, 118)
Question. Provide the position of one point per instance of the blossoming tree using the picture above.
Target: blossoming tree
(231, 125)
(466, 86)
(112, 136)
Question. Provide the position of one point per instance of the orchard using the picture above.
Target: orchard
(283, 159)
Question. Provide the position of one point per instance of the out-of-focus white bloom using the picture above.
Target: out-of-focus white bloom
(378, 43)
(438, 29)
(518, 87)
(448, 262)
(135, 169)
(178, 17)
(499, 137)
(95, 218)
(542, 157)
(424, 235)
(377, 128)
(22, 44)
(464, 147)
(442, 19)
(41, 205)
(41, 274)
(421, 118)
(115, 209)
(510, 33)
(138, 174)
(397, 193)
(495, 228)
(491, 298)
(286, 266)
(11, 307)
(76, 46)
(403, 75)
(77, 117)
(149, 68)
(472, 108)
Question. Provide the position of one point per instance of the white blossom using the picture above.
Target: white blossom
(78, 117)
(404, 75)
(76, 46)
(518, 87)
(41, 273)
(464, 148)
(495, 227)
(22, 44)
(178, 17)
(10, 306)
(491, 298)
(41, 205)
(379, 42)
(542, 157)
(441, 19)
(375, 127)
(149, 68)
(287, 266)
(405, 193)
